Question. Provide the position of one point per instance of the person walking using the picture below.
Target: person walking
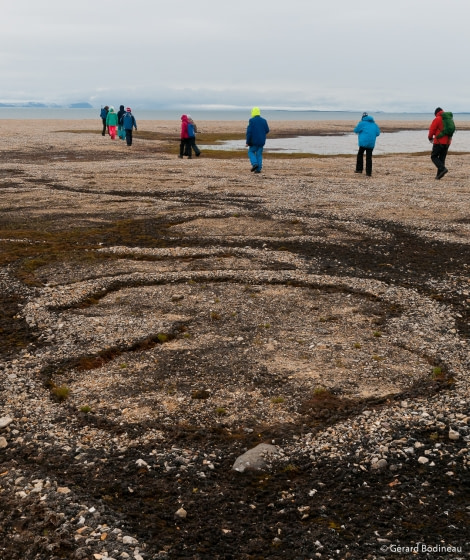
(103, 115)
(185, 146)
(367, 131)
(112, 122)
(129, 123)
(192, 130)
(121, 129)
(256, 132)
(440, 143)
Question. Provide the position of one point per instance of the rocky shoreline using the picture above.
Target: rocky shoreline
(162, 317)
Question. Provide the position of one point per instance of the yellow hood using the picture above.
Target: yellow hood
(255, 112)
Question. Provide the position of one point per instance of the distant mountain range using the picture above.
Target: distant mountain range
(47, 105)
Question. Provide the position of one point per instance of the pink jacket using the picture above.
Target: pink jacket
(184, 127)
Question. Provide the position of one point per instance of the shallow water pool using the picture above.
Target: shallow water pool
(387, 143)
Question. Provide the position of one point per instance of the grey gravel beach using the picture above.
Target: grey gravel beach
(200, 362)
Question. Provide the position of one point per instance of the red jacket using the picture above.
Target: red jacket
(184, 127)
(434, 130)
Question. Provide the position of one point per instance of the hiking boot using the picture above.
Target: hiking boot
(254, 167)
(357, 171)
(442, 173)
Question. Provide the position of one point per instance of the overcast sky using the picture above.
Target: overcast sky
(313, 54)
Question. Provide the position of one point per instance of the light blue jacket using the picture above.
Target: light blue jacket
(367, 131)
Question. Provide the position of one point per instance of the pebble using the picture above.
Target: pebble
(380, 464)
(5, 421)
(181, 513)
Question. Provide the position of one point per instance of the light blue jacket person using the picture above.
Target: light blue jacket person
(367, 132)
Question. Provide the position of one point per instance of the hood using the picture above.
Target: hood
(368, 118)
(184, 117)
(255, 112)
(111, 109)
(121, 108)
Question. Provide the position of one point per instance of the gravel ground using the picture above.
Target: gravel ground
(162, 317)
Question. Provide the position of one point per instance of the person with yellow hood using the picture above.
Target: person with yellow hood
(256, 139)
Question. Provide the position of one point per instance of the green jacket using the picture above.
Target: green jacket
(112, 118)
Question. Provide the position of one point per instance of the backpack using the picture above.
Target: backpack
(103, 113)
(448, 125)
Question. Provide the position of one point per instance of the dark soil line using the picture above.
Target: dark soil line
(15, 334)
(376, 502)
(316, 413)
(95, 361)
(190, 199)
(410, 262)
(93, 299)
(201, 277)
(55, 154)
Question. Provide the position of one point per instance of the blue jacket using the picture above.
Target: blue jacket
(367, 131)
(256, 131)
(128, 121)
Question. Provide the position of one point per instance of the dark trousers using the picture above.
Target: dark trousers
(129, 136)
(104, 127)
(192, 144)
(360, 160)
(438, 156)
(185, 147)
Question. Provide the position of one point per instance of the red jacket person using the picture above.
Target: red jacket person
(440, 144)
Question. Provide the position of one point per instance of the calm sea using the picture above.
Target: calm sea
(215, 115)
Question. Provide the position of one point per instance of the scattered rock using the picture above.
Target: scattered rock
(256, 458)
(380, 464)
(129, 540)
(5, 421)
(181, 513)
